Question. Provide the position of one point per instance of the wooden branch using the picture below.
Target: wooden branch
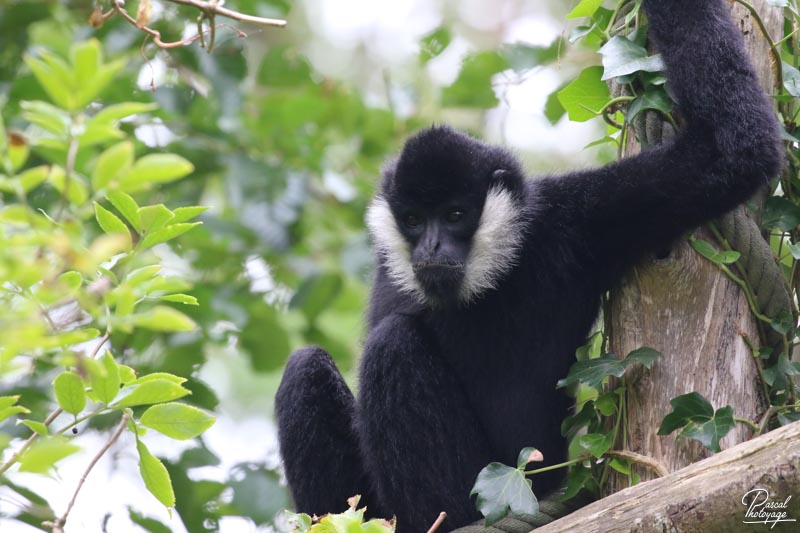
(715, 494)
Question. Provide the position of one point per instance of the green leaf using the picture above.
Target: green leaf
(172, 378)
(473, 87)
(72, 280)
(45, 453)
(70, 392)
(154, 217)
(47, 116)
(644, 355)
(553, 109)
(113, 113)
(155, 476)
(791, 79)
(710, 432)
(33, 177)
(37, 427)
(155, 168)
(150, 392)
(126, 374)
(166, 234)
(654, 97)
(8, 401)
(434, 43)
(182, 214)
(606, 404)
(781, 213)
(163, 318)
(316, 294)
(696, 415)
(112, 164)
(622, 56)
(587, 416)
(501, 489)
(127, 207)
(77, 193)
(179, 298)
(176, 420)
(54, 76)
(264, 338)
(6, 412)
(528, 455)
(104, 377)
(109, 222)
(585, 8)
(709, 252)
(523, 57)
(597, 443)
(585, 97)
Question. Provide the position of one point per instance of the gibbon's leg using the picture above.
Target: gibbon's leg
(317, 438)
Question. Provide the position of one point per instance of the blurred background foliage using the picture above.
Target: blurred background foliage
(287, 130)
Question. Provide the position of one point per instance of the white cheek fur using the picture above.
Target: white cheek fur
(494, 251)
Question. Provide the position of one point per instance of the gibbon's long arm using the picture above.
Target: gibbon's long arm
(728, 149)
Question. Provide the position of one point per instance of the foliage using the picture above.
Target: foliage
(501, 489)
(350, 521)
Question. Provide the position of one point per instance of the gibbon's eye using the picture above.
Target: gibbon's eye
(411, 220)
(454, 216)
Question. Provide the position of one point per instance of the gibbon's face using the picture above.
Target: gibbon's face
(445, 221)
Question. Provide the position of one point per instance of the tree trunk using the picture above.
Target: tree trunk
(687, 308)
(706, 496)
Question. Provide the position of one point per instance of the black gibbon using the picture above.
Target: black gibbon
(487, 282)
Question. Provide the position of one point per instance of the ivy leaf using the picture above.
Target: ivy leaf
(155, 476)
(176, 420)
(622, 56)
(585, 97)
(644, 355)
(654, 97)
(685, 408)
(710, 432)
(501, 489)
(791, 79)
(781, 213)
(585, 8)
(696, 416)
(70, 392)
(597, 443)
(528, 455)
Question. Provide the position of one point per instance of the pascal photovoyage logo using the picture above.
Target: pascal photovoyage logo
(761, 509)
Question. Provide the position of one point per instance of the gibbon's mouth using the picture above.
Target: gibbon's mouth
(440, 279)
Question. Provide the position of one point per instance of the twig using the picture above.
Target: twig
(438, 522)
(638, 458)
(58, 525)
(208, 10)
(215, 8)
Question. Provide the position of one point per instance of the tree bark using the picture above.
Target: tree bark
(705, 496)
(687, 308)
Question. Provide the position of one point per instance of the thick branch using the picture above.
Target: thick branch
(704, 496)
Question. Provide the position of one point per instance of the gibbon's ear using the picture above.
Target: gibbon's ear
(499, 174)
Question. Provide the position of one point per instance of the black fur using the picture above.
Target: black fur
(446, 390)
